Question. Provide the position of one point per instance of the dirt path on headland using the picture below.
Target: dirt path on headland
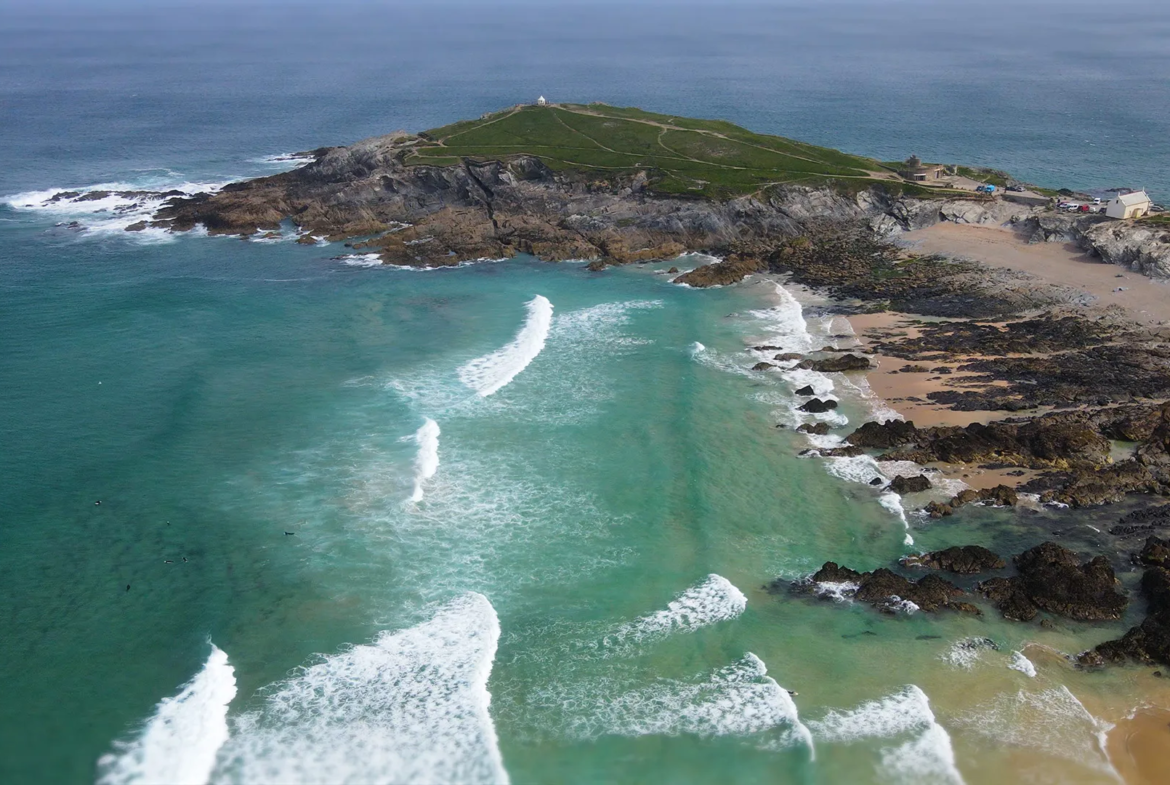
(1147, 301)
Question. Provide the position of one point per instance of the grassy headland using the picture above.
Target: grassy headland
(682, 156)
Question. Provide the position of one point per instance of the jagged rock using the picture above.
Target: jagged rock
(672, 271)
(1155, 553)
(767, 348)
(884, 435)
(1052, 578)
(307, 239)
(848, 451)
(806, 390)
(762, 366)
(1000, 495)
(888, 591)
(844, 362)
(820, 428)
(818, 406)
(787, 356)
(137, 226)
(959, 559)
(904, 485)
(1149, 642)
(876, 481)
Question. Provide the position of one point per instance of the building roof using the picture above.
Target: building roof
(1137, 197)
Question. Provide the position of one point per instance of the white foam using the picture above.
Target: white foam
(124, 204)
(285, 161)
(785, 321)
(711, 601)
(1022, 664)
(838, 591)
(487, 374)
(926, 757)
(180, 741)
(1052, 721)
(965, 653)
(361, 260)
(697, 347)
(426, 462)
(411, 707)
(737, 700)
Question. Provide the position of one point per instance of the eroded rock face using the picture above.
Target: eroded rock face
(959, 559)
(1053, 579)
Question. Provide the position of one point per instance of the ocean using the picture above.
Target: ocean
(509, 521)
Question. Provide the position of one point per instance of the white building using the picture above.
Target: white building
(541, 102)
(1133, 205)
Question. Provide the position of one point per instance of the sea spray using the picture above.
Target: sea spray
(179, 743)
(411, 707)
(488, 374)
(426, 462)
(1022, 664)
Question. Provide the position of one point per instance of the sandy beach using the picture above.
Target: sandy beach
(1063, 264)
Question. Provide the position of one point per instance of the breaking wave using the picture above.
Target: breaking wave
(411, 707)
(736, 700)
(488, 374)
(426, 463)
(926, 757)
(180, 742)
(713, 600)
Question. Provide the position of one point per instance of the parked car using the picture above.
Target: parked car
(1084, 208)
(1016, 188)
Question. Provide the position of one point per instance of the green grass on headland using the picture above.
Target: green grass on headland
(683, 156)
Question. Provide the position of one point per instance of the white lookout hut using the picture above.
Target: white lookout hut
(1133, 205)
(541, 101)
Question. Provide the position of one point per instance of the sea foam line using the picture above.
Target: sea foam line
(411, 707)
(487, 374)
(179, 743)
(426, 462)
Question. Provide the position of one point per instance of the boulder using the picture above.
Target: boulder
(806, 390)
(762, 366)
(884, 435)
(1155, 553)
(917, 484)
(888, 591)
(818, 406)
(820, 428)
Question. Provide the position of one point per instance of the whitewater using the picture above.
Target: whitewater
(490, 373)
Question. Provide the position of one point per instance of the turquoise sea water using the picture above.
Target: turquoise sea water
(559, 580)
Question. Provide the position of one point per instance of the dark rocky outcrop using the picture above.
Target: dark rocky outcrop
(916, 484)
(806, 390)
(844, 362)
(1053, 579)
(817, 406)
(820, 428)
(1149, 642)
(888, 591)
(959, 559)
(762, 366)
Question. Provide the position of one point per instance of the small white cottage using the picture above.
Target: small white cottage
(541, 102)
(1133, 205)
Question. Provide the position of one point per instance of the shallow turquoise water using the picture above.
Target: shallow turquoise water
(214, 395)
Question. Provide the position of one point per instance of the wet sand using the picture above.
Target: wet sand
(1145, 300)
(1138, 745)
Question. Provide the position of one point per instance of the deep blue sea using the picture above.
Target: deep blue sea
(509, 521)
